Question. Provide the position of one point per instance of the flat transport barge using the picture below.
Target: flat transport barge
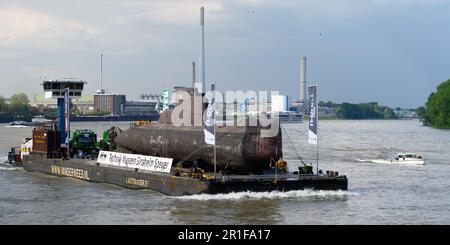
(167, 183)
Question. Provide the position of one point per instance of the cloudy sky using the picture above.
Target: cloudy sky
(393, 52)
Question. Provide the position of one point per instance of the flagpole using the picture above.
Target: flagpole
(215, 158)
(317, 125)
(68, 121)
(215, 155)
(313, 135)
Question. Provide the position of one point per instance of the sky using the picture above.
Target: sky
(391, 52)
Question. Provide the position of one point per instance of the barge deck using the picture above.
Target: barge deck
(166, 183)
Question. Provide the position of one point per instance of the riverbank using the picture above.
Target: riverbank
(98, 118)
(330, 118)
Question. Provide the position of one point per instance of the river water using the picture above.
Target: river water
(379, 193)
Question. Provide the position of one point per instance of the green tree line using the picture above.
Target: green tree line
(369, 110)
(18, 108)
(436, 112)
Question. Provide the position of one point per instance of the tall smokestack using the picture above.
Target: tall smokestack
(202, 51)
(193, 75)
(303, 80)
(101, 73)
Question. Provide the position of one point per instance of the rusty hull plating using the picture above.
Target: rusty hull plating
(239, 149)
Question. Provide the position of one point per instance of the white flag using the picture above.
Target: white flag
(67, 115)
(210, 121)
(313, 114)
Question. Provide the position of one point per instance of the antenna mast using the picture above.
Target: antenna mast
(101, 73)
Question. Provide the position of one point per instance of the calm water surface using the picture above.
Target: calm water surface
(378, 193)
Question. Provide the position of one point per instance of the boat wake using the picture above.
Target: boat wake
(7, 167)
(269, 195)
(381, 161)
(11, 168)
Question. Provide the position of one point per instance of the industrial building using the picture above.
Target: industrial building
(405, 113)
(111, 103)
(84, 103)
(117, 104)
(151, 97)
(139, 108)
(279, 103)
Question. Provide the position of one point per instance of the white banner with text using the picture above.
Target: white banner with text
(148, 163)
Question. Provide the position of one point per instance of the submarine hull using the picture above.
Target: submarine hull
(240, 150)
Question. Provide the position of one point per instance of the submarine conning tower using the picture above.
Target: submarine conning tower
(56, 89)
(190, 103)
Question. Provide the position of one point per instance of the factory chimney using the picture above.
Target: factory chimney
(193, 75)
(101, 72)
(303, 80)
(101, 91)
(201, 83)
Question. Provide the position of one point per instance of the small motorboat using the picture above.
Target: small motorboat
(40, 119)
(20, 124)
(408, 158)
